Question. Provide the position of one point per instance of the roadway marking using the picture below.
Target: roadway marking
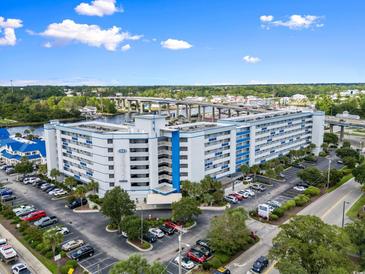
(271, 267)
(336, 204)
(101, 269)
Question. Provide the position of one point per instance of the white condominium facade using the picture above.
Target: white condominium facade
(149, 157)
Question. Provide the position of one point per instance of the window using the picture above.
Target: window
(110, 149)
(183, 148)
(139, 150)
(111, 176)
(110, 158)
(110, 141)
(138, 141)
(111, 167)
(111, 184)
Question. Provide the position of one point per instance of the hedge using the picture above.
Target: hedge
(312, 191)
(301, 199)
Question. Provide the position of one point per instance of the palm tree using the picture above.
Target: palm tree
(93, 186)
(255, 169)
(53, 238)
(80, 192)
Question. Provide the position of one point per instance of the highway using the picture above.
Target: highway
(328, 208)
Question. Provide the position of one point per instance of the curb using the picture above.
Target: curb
(138, 248)
(110, 230)
(213, 208)
(60, 198)
(192, 226)
(86, 211)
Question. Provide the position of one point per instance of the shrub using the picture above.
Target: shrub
(346, 171)
(323, 154)
(71, 263)
(49, 255)
(279, 211)
(273, 217)
(301, 199)
(312, 191)
(218, 260)
(289, 205)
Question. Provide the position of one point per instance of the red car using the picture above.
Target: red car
(34, 216)
(196, 256)
(237, 196)
(173, 225)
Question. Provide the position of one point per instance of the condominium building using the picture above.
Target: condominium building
(149, 159)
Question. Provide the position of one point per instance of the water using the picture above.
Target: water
(117, 119)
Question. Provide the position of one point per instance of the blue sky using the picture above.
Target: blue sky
(181, 41)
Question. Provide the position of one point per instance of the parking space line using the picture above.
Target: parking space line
(99, 262)
(92, 257)
(101, 269)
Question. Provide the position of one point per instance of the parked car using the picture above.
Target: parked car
(282, 175)
(6, 191)
(299, 188)
(339, 162)
(276, 203)
(49, 188)
(150, 237)
(7, 198)
(44, 186)
(8, 254)
(172, 225)
(250, 192)
(206, 251)
(247, 179)
(10, 170)
(236, 195)
(60, 193)
(262, 187)
(34, 216)
(77, 203)
(25, 211)
(39, 184)
(22, 207)
(230, 199)
(260, 264)
(244, 194)
(222, 270)
(52, 192)
(196, 256)
(72, 244)
(270, 203)
(46, 221)
(4, 167)
(167, 230)
(157, 232)
(256, 187)
(204, 243)
(82, 252)
(185, 262)
(61, 229)
(299, 165)
(31, 180)
(20, 268)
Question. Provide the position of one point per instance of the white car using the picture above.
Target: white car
(231, 199)
(157, 232)
(20, 268)
(248, 179)
(31, 180)
(243, 193)
(73, 244)
(61, 229)
(21, 207)
(250, 192)
(299, 188)
(60, 193)
(52, 192)
(185, 262)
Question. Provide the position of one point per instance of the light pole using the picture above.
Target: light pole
(343, 212)
(329, 173)
(181, 232)
(141, 225)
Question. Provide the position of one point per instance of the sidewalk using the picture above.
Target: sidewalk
(26, 256)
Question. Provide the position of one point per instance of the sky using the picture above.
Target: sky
(181, 42)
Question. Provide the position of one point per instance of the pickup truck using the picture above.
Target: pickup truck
(46, 221)
(8, 254)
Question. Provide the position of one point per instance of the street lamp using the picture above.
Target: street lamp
(329, 172)
(343, 212)
(181, 231)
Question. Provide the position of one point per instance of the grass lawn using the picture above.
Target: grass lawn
(354, 210)
(340, 183)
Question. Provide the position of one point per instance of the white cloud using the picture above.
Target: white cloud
(266, 18)
(47, 45)
(251, 59)
(7, 27)
(174, 44)
(98, 8)
(126, 47)
(295, 22)
(92, 35)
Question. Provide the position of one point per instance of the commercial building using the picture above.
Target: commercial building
(149, 159)
(12, 149)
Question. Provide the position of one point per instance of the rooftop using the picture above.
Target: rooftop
(198, 126)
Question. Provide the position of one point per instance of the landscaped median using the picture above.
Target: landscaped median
(290, 207)
(357, 211)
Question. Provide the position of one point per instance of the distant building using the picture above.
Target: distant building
(88, 111)
(346, 115)
(12, 149)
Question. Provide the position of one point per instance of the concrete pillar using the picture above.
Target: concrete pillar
(129, 106)
(187, 111)
(159, 109)
(331, 128)
(219, 113)
(149, 107)
(199, 114)
(213, 114)
(177, 111)
(342, 133)
(189, 117)
(203, 116)
(238, 113)
(168, 110)
(229, 112)
(141, 107)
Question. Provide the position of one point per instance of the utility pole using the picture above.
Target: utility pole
(329, 172)
(180, 238)
(141, 225)
(343, 213)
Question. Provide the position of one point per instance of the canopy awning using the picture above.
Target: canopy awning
(159, 199)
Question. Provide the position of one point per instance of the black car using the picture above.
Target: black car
(38, 184)
(301, 166)
(82, 252)
(77, 203)
(8, 198)
(260, 264)
(149, 237)
(49, 188)
(167, 230)
(205, 250)
(204, 243)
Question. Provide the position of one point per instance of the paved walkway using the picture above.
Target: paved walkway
(26, 256)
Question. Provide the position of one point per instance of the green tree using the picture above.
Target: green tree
(228, 233)
(80, 192)
(349, 161)
(356, 232)
(117, 205)
(54, 173)
(53, 238)
(312, 175)
(24, 166)
(359, 174)
(132, 225)
(70, 182)
(185, 210)
(244, 169)
(311, 246)
(255, 169)
(93, 186)
(42, 169)
(136, 264)
(330, 138)
(346, 144)
(347, 152)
